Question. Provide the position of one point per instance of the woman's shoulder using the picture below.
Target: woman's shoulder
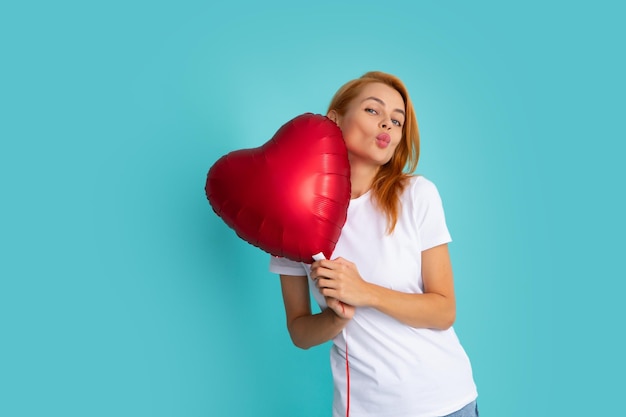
(420, 185)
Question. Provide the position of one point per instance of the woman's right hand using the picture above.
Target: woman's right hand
(342, 310)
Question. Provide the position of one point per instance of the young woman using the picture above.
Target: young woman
(387, 298)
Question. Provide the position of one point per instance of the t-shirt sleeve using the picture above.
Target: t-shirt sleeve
(284, 266)
(430, 217)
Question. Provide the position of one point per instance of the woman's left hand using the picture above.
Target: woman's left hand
(340, 279)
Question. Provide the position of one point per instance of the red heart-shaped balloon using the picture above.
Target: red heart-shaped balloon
(289, 196)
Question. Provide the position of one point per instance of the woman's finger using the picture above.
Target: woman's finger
(324, 283)
(321, 272)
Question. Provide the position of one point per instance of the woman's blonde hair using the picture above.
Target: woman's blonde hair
(391, 178)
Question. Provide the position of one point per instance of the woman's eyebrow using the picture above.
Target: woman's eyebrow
(382, 103)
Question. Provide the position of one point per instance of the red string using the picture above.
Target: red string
(345, 336)
(347, 374)
(318, 257)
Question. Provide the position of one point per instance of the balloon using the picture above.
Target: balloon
(289, 196)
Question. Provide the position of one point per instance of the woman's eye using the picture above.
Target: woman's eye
(396, 122)
(371, 111)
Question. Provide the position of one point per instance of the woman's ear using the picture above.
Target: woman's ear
(332, 115)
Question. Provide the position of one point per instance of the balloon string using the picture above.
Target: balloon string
(347, 375)
(319, 257)
(345, 336)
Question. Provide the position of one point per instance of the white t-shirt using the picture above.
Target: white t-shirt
(395, 370)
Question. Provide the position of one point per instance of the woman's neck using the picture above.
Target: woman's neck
(361, 178)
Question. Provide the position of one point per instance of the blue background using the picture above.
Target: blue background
(122, 293)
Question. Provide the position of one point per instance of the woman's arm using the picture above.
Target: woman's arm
(435, 309)
(306, 329)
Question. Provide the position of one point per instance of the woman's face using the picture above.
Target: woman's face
(372, 124)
